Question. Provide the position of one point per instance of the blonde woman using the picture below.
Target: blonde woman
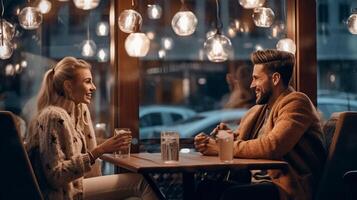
(62, 137)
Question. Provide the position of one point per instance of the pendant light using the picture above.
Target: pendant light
(184, 22)
(88, 46)
(102, 29)
(218, 47)
(263, 17)
(249, 4)
(137, 44)
(30, 18)
(352, 22)
(287, 45)
(86, 4)
(7, 30)
(130, 20)
(154, 11)
(5, 45)
(44, 6)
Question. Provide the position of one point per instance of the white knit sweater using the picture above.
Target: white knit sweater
(63, 140)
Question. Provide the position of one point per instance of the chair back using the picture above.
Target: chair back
(17, 176)
(342, 157)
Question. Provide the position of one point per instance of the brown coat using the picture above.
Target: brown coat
(292, 133)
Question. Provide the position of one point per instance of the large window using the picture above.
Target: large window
(63, 32)
(177, 77)
(337, 59)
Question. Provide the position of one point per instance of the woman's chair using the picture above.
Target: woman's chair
(342, 157)
(17, 176)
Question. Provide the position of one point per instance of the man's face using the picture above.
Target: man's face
(261, 84)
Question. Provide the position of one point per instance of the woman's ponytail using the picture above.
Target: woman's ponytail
(46, 92)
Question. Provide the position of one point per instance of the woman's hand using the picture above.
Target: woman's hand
(115, 143)
(206, 145)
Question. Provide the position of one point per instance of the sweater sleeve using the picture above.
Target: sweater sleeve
(293, 119)
(60, 169)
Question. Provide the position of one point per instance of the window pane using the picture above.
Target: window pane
(62, 33)
(177, 73)
(337, 59)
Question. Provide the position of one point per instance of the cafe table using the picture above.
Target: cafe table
(188, 164)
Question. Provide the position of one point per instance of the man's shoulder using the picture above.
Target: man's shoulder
(296, 96)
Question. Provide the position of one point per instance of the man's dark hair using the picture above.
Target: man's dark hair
(276, 61)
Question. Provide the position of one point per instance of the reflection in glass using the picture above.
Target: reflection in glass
(263, 17)
(8, 29)
(86, 4)
(88, 48)
(184, 23)
(44, 6)
(103, 55)
(286, 44)
(167, 43)
(137, 45)
(218, 48)
(30, 18)
(129, 21)
(249, 4)
(154, 11)
(352, 23)
(102, 29)
(5, 49)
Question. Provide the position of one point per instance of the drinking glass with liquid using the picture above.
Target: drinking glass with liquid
(124, 151)
(170, 143)
(225, 143)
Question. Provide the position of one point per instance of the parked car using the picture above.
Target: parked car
(204, 122)
(190, 127)
(155, 116)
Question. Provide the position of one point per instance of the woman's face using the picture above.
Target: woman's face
(82, 86)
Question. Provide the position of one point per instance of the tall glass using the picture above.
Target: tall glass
(225, 143)
(170, 143)
(124, 151)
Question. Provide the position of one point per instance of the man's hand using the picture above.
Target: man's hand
(206, 145)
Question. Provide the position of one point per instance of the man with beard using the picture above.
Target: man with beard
(284, 125)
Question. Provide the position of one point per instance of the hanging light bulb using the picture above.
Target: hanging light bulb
(277, 30)
(86, 4)
(130, 21)
(286, 44)
(44, 6)
(218, 47)
(352, 22)
(137, 44)
(102, 29)
(154, 11)
(263, 17)
(5, 49)
(167, 43)
(88, 48)
(103, 55)
(8, 29)
(30, 18)
(161, 53)
(249, 4)
(184, 23)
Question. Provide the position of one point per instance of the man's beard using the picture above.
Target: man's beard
(264, 97)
